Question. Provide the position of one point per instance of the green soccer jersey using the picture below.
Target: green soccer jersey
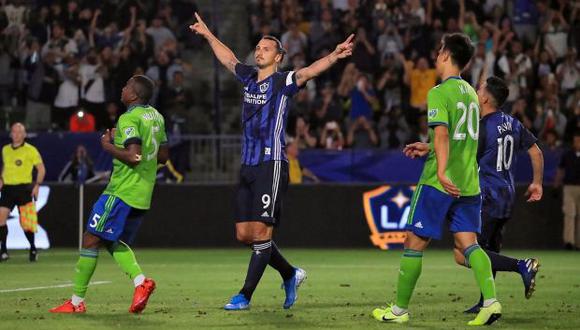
(454, 104)
(134, 185)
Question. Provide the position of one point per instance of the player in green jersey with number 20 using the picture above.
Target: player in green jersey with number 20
(137, 145)
(448, 190)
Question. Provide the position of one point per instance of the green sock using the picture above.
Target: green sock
(84, 271)
(411, 264)
(125, 257)
(481, 266)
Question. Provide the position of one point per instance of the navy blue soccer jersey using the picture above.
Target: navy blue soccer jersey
(501, 137)
(264, 114)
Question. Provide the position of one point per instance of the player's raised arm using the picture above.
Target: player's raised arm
(342, 50)
(131, 155)
(535, 189)
(221, 51)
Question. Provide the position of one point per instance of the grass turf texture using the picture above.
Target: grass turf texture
(342, 289)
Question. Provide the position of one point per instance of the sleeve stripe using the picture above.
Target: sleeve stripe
(289, 77)
(437, 123)
(133, 140)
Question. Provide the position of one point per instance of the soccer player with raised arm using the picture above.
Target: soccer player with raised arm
(448, 190)
(501, 137)
(137, 145)
(264, 171)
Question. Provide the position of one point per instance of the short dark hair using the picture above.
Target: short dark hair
(143, 87)
(279, 46)
(498, 90)
(459, 47)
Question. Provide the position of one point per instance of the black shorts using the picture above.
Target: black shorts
(260, 193)
(491, 232)
(15, 195)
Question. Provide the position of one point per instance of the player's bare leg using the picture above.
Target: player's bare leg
(409, 272)
(4, 212)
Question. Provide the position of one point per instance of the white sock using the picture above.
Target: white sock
(398, 310)
(76, 300)
(488, 302)
(139, 279)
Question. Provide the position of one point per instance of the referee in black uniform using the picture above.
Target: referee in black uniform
(16, 187)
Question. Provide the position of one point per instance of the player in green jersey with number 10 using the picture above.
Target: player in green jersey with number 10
(137, 145)
(448, 189)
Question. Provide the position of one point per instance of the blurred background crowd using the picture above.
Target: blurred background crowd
(63, 63)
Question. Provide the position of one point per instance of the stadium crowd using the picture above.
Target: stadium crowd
(379, 98)
(65, 62)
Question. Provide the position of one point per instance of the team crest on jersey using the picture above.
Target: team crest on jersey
(18, 162)
(129, 131)
(432, 113)
(386, 211)
(264, 87)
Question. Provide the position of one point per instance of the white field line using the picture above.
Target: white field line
(51, 287)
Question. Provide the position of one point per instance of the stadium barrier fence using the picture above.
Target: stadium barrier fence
(321, 216)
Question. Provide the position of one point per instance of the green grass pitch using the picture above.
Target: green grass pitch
(343, 287)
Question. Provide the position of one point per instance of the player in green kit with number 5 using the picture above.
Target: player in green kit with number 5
(448, 190)
(137, 145)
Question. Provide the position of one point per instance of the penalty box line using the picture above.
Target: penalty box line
(51, 287)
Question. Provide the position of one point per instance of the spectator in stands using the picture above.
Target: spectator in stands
(294, 40)
(113, 113)
(159, 32)
(568, 73)
(297, 172)
(42, 88)
(364, 52)
(66, 101)
(389, 85)
(91, 73)
(363, 99)
(322, 33)
(79, 168)
(303, 137)
(389, 42)
(361, 134)
(555, 32)
(162, 72)
(550, 118)
(331, 137)
(325, 108)
(569, 175)
(420, 78)
(59, 44)
(82, 122)
(520, 112)
(393, 129)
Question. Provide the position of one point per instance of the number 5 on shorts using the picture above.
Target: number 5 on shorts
(94, 220)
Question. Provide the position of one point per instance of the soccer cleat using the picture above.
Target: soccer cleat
(387, 315)
(69, 308)
(474, 309)
(528, 268)
(33, 255)
(487, 315)
(4, 256)
(291, 287)
(237, 303)
(141, 295)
